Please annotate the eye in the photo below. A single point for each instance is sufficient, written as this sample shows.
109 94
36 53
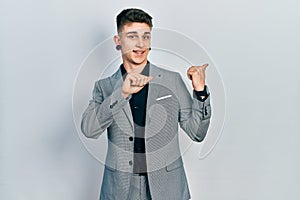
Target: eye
146 37
132 36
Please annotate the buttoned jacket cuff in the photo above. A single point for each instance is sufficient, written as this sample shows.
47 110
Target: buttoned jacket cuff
118 101
198 94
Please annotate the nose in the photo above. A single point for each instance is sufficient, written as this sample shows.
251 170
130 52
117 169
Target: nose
140 43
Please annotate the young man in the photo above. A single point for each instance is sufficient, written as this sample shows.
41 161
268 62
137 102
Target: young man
140 106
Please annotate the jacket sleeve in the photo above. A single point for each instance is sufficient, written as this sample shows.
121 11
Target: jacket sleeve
194 115
98 116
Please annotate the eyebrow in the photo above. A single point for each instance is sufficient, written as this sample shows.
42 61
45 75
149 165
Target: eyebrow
135 32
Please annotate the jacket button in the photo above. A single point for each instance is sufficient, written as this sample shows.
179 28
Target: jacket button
130 138
130 162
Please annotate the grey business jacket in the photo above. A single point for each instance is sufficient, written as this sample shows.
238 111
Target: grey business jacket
169 103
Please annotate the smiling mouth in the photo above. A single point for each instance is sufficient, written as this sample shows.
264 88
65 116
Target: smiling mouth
139 52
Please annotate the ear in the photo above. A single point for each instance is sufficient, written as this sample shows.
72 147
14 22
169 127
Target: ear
117 40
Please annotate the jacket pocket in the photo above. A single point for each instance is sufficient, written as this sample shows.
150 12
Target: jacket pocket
174 165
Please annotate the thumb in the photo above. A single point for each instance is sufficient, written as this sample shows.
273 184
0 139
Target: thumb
205 66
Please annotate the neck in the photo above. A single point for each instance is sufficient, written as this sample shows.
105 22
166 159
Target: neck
138 68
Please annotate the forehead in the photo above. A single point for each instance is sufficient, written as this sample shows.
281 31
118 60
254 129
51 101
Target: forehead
138 27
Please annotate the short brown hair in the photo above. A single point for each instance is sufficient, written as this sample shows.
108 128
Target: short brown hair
132 15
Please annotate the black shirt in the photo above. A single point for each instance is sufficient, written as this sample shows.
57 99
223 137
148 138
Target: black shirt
138 103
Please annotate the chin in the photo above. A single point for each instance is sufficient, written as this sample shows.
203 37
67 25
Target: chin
139 60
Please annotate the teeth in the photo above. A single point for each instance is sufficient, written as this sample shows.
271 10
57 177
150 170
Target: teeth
139 52
136 51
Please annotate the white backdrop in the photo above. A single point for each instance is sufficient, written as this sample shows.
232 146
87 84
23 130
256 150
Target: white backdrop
254 44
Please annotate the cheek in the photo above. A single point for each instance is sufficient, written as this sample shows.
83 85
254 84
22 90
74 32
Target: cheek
128 45
127 48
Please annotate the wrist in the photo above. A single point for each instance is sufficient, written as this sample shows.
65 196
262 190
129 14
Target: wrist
203 92
199 88
125 95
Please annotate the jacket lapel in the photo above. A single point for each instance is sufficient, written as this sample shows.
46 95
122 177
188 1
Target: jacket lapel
116 82
153 90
